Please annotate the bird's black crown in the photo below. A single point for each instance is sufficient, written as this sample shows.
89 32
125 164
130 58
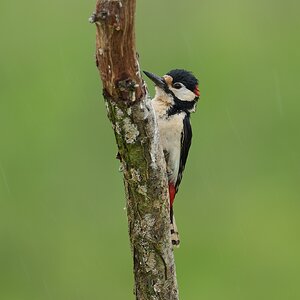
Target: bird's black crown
185 77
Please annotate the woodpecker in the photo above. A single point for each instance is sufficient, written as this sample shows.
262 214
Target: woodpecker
176 96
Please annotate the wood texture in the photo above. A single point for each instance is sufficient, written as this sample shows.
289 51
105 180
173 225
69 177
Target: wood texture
131 114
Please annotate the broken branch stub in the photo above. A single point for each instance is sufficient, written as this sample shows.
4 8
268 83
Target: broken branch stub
119 69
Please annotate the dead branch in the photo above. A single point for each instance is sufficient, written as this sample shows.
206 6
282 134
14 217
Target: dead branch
132 117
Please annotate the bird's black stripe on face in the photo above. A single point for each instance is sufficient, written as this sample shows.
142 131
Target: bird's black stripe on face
180 105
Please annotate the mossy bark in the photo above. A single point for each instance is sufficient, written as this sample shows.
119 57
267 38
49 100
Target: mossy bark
133 120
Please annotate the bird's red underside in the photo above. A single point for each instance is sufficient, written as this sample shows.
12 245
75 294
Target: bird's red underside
172 192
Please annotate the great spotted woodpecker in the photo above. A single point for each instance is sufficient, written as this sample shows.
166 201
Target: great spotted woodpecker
175 99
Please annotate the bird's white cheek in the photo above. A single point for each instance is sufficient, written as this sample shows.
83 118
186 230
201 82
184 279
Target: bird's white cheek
183 94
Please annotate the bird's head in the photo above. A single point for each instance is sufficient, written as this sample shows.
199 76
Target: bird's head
179 88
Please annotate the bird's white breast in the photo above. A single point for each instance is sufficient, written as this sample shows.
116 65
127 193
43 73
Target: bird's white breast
170 130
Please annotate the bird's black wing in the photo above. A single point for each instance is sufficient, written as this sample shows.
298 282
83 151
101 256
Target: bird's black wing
186 140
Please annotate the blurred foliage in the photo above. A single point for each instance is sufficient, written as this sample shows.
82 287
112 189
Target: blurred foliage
63 229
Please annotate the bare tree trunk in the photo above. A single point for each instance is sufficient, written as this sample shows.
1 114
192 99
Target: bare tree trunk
133 120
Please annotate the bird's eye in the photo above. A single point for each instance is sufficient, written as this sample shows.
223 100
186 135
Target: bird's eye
177 85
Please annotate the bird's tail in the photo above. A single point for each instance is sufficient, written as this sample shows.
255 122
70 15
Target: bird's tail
174 231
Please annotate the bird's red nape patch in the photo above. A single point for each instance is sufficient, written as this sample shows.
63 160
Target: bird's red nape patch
172 192
196 91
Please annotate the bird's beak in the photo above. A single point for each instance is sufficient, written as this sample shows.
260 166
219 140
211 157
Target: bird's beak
159 81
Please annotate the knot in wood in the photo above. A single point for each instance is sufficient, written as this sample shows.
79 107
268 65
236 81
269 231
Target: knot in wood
103 14
98 16
127 85
93 17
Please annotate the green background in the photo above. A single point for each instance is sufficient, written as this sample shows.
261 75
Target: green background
63 228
